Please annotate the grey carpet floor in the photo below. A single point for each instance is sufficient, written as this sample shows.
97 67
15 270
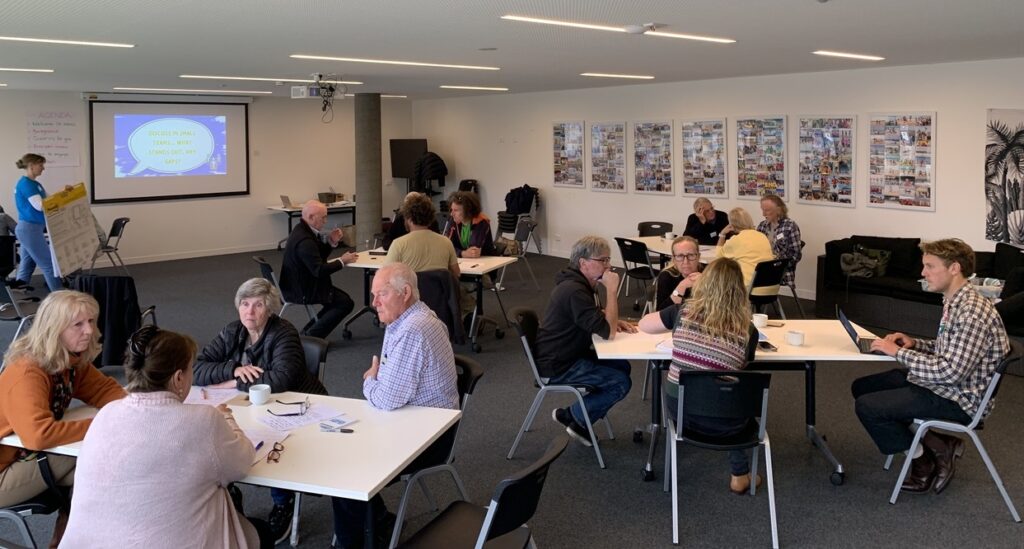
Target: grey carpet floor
585 506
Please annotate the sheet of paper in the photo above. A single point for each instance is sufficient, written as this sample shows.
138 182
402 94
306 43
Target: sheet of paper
664 345
210 397
316 413
265 439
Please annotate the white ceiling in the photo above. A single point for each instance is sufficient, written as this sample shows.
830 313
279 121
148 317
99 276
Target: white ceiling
256 37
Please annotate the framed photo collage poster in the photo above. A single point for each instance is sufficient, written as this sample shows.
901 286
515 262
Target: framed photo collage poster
901 158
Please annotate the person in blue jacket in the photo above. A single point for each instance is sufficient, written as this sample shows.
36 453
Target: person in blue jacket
31 228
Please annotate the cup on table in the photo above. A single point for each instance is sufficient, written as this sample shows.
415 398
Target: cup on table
259 394
795 338
760 320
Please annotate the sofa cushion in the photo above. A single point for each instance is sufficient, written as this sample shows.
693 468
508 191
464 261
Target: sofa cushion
1008 257
1012 312
906 256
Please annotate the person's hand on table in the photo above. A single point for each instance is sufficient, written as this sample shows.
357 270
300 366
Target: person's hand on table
248 373
886 346
626 327
901 339
471 252
349 257
374 368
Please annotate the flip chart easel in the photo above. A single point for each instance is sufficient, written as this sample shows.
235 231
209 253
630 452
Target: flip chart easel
69 222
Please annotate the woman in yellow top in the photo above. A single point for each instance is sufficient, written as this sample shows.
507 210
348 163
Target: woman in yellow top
746 245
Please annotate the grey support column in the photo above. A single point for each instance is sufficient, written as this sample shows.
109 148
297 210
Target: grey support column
368 166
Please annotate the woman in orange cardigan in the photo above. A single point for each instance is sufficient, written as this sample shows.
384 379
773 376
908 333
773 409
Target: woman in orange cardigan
42 372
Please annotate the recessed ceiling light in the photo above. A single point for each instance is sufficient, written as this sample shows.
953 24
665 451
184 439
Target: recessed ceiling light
690 37
182 90
559 23
862 57
261 79
391 62
487 49
2 85
24 70
609 75
66 42
482 88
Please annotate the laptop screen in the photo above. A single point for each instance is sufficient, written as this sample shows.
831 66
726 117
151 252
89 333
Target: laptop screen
846 324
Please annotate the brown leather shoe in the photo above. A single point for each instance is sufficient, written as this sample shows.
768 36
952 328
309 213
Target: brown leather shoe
740 485
947 449
922 474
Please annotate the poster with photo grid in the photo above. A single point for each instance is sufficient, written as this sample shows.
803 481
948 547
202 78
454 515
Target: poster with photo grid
901 161
567 151
761 156
608 157
652 157
825 160
704 157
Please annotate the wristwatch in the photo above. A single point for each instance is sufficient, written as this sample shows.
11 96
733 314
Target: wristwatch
675 293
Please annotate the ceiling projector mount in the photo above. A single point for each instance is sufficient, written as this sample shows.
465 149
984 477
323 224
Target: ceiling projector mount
641 29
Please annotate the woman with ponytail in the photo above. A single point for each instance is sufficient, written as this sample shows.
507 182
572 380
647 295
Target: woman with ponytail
28 198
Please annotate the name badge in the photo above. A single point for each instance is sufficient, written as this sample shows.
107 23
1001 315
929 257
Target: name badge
714 234
779 236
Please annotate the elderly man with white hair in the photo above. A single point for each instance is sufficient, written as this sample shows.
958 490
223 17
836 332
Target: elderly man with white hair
306 273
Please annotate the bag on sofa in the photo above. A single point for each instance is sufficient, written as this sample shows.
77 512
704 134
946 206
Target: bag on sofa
865 262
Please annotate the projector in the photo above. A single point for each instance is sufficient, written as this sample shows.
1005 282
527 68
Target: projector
304 92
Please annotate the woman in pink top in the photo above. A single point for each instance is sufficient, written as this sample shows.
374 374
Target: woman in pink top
153 471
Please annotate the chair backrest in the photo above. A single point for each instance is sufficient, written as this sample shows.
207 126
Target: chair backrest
507 222
116 231
315 349
148 314
469 373
8 255
524 228
439 290
515 499
634 251
527 324
768 276
653 228
1016 354
725 395
266 271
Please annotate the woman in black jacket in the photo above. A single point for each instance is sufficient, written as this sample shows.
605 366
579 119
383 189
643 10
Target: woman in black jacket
259 347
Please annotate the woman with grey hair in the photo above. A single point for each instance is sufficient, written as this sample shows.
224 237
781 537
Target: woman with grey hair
745 244
259 347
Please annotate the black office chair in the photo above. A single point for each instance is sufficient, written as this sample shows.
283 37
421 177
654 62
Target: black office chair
22 304
923 425
738 395
267 272
764 288
109 246
527 324
635 253
50 501
653 228
469 373
792 288
502 523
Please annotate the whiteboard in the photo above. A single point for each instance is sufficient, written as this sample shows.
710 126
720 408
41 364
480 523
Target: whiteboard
69 222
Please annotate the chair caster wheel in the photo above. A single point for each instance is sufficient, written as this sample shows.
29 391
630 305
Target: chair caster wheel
647 476
499 333
638 436
346 334
476 348
837 478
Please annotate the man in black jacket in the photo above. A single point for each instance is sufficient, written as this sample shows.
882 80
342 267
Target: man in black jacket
705 223
565 353
306 273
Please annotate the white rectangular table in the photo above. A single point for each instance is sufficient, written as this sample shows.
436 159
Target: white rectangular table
294 212
825 340
472 269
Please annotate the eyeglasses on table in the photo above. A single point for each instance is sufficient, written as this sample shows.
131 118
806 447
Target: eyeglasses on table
303 408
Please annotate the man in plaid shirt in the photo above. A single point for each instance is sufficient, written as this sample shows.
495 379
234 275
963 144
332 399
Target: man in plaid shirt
945 378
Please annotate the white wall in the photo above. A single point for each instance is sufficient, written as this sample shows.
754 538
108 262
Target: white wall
291 152
505 141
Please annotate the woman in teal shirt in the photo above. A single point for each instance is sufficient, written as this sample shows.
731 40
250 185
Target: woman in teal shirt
31 228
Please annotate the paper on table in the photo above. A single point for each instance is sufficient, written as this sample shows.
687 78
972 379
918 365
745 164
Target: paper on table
316 412
268 437
214 397
664 345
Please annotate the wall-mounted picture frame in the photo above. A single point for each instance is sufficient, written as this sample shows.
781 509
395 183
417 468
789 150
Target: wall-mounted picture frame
703 159
652 157
1004 181
760 156
826 153
901 160
567 153
608 157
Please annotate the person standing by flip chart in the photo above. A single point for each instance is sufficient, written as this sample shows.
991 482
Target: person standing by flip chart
31 228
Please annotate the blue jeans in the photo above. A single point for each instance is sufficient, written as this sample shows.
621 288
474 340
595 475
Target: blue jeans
610 378
282 497
35 251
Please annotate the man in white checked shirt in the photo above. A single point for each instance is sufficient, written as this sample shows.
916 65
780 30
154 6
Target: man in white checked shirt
417 367
945 378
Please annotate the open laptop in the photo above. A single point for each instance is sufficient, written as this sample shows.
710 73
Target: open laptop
286 202
863 343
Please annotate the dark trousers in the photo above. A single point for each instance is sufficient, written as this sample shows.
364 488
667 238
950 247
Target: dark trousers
887 405
264 532
330 315
713 426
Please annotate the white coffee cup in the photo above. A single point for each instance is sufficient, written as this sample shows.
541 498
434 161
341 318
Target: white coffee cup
760 320
259 394
669 236
795 337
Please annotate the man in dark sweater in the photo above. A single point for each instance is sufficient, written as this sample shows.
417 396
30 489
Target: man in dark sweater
565 354
705 223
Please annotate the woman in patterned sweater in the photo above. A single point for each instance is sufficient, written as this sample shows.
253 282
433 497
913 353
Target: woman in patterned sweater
711 331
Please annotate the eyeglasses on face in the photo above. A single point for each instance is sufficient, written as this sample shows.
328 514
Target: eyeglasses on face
604 260
303 408
275 454
686 257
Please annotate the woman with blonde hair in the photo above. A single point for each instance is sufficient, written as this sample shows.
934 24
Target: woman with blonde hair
711 331
740 241
675 282
43 371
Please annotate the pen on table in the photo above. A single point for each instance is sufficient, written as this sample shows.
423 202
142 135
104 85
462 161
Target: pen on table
202 393
474 265
259 445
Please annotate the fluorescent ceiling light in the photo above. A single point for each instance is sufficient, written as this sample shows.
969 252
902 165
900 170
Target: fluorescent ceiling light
848 55
2 85
562 23
608 75
390 62
66 42
690 37
182 90
261 79
483 88
24 70
383 95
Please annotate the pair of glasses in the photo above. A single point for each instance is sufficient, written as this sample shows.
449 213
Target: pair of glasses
686 257
275 454
303 408
605 260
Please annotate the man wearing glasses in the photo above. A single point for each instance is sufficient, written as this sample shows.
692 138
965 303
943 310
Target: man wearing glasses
564 351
